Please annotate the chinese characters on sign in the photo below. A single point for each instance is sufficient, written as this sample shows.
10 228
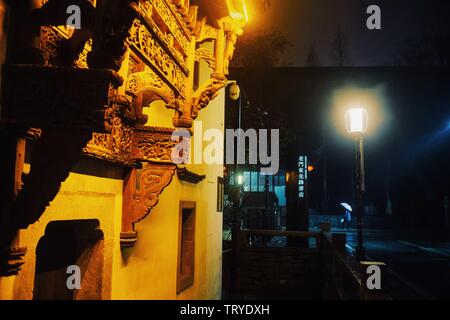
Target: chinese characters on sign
302 175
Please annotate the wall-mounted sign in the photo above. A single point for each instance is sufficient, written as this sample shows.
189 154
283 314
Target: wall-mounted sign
302 175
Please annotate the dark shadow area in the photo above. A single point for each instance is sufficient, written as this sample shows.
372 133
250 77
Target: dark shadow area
68 243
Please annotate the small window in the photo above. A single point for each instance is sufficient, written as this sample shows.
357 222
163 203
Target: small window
262 183
254 182
186 247
247 179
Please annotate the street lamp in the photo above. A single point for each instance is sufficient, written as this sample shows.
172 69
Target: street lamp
356 123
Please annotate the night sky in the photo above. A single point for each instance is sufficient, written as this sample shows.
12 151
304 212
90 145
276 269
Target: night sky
308 22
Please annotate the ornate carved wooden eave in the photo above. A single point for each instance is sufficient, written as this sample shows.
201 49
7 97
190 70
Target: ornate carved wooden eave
185 175
80 106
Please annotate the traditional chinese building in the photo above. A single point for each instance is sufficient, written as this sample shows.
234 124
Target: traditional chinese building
87 177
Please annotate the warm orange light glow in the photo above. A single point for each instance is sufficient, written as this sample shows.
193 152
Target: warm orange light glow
310 168
245 11
240 14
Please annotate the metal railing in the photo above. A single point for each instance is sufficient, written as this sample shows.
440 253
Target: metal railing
343 277
246 237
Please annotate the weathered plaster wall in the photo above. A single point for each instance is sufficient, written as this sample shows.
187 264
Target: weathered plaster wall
82 196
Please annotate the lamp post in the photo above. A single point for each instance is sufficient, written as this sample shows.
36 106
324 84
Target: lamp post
356 122
235 95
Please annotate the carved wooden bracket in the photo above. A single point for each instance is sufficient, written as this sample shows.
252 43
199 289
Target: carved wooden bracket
153 178
142 188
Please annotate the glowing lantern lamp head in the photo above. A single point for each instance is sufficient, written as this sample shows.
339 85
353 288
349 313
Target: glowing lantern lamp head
356 121
235 92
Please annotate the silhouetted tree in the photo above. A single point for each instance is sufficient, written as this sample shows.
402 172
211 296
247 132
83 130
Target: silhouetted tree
427 49
312 59
340 48
262 50
256 57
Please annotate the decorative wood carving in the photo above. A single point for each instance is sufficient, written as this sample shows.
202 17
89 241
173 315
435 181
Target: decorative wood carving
153 179
141 194
115 146
207 92
207 56
157 55
153 144
107 24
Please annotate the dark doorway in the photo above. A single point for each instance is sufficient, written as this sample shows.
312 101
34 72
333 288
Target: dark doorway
67 243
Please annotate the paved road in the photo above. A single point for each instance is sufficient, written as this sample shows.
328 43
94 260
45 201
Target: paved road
420 268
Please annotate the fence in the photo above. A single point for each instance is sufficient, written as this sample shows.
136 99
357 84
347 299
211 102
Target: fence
297 265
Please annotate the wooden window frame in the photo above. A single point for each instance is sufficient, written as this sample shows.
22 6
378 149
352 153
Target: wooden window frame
183 281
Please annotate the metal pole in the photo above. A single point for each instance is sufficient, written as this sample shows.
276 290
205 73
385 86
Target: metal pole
359 194
325 172
266 200
237 218
237 206
239 128
239 146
